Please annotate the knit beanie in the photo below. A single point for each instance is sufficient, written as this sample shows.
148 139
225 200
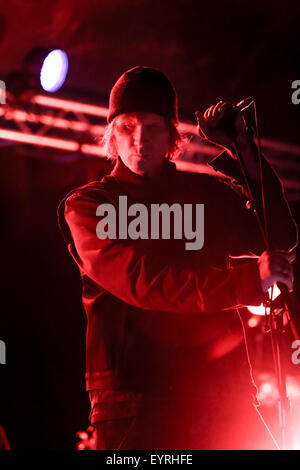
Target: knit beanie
143 89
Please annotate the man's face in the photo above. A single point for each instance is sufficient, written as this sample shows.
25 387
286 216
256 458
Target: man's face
142 142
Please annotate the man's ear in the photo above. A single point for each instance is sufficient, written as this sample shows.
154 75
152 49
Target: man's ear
170 131
113 145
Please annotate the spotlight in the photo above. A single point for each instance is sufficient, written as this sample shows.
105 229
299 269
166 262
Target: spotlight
46 68
54 70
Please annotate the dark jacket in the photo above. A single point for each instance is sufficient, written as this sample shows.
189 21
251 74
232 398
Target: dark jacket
155 310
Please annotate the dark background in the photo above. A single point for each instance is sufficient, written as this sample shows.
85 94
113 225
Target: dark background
210 51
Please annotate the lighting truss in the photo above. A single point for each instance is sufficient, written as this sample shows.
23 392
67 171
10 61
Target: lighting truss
42 115
46 121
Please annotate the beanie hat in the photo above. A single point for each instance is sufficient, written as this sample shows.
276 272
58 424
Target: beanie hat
143 89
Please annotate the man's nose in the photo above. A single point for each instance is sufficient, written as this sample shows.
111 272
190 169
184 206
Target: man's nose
140 135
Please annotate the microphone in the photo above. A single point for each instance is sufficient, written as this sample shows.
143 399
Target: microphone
227 121
244 104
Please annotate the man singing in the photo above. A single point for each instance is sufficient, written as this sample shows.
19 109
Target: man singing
165 364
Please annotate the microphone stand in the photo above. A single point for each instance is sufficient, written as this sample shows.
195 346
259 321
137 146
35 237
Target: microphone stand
280 306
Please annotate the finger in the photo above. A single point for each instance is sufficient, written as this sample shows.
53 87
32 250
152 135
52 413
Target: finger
286 271
283 269
282 274
281 266
210 112
212 119
200 118
287 281
282 257
219 104
289 271
226 105
215 116
206 113
223 108
202 124
290 256
217 108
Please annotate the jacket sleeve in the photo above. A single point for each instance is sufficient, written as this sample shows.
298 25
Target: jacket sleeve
282 229
141 276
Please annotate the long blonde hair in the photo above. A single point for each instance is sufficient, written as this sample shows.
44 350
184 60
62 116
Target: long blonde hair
174 143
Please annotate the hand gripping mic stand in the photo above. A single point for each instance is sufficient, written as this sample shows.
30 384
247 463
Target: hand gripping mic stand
281 305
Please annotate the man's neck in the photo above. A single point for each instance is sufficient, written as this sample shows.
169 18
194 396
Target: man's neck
123 173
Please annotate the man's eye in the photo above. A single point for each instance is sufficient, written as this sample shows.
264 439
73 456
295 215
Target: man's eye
125 128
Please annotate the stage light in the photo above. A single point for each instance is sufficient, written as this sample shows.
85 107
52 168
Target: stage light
46 68
268 390
253 322
67 105
54 70
40 140
268 393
